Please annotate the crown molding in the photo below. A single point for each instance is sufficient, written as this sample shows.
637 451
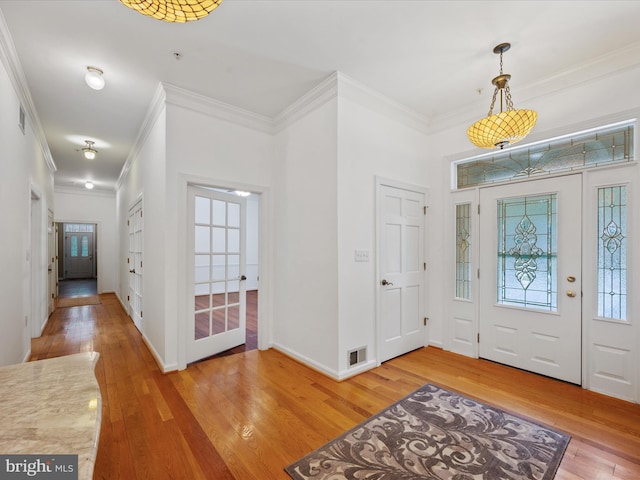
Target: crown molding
156 107
217 109
10 60
325 91
339 85
374 100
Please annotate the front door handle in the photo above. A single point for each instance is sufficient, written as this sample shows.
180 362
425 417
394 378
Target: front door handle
571 293
385 283
132 271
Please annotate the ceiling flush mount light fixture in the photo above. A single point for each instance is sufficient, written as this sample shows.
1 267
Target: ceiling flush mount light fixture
179 11
88 185
94 78
88 151
508 126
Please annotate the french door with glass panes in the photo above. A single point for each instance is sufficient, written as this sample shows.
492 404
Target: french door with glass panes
217 245
530 276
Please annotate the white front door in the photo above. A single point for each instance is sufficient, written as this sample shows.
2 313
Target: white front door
401 266
530 276
217 244
134 261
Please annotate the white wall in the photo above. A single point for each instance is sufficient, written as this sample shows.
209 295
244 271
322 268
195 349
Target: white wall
78 206
375 138
253 241
145 178
306 239
24 169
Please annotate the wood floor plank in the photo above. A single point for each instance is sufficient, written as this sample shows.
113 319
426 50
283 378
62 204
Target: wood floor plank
247 415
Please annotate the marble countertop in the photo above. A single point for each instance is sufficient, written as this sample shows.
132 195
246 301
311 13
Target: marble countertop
52 406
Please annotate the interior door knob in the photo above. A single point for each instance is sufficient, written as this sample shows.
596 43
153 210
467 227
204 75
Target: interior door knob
384 282
571 293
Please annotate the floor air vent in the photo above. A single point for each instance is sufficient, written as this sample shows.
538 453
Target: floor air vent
357 356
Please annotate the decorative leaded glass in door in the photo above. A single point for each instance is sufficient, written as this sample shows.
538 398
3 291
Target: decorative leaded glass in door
527 252
612 252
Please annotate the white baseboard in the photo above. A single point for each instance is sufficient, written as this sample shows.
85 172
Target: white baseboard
124 306
165 368
329 372
353 371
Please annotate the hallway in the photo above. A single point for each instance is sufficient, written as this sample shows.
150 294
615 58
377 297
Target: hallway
248 415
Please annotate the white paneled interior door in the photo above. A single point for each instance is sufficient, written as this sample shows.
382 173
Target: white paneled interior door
217 256
135 264
401 268
531 276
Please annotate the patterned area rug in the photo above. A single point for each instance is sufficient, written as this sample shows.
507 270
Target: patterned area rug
436 434
77 301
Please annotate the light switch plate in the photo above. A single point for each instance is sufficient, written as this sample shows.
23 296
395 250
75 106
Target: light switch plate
362 255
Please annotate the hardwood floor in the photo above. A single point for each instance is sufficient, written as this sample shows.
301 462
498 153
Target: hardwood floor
217 325
246 416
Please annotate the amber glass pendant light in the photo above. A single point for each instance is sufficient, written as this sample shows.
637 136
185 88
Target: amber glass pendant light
180 11
508 126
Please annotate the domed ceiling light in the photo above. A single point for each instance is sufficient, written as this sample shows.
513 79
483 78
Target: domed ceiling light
89 185
507 127
173 10
88 151
94 78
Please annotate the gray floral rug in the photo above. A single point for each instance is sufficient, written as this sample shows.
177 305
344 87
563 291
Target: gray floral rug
437 434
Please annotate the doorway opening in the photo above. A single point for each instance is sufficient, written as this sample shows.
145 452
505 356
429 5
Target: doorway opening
77 259
224 291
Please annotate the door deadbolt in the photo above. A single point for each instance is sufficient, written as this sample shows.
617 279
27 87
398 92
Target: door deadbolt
571 279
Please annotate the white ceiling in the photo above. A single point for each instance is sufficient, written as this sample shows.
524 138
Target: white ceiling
261 55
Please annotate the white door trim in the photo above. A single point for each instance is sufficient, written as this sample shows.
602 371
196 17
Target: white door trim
387 182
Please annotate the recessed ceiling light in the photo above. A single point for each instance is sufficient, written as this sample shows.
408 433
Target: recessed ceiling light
88 185
94 78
